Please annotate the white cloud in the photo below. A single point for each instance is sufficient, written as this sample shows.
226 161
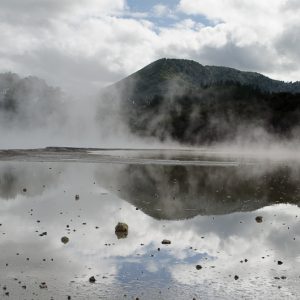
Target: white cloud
161 10
83 46
252 32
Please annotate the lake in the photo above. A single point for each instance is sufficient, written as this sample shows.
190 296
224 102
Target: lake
233 226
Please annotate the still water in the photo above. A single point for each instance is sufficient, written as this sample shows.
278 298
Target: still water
219 248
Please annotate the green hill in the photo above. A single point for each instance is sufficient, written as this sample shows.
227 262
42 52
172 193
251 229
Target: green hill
187 102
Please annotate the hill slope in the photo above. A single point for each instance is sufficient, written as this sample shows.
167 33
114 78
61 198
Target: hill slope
187 102
155 77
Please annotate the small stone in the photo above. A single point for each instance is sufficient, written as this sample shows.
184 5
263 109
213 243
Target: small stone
279 262
43 285
77 197
64 239
92 279
236 277
198 267
121 230
24 190
166 242
259 219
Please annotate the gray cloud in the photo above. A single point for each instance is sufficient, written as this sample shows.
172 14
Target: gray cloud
288 43
245 58
78 75
291 5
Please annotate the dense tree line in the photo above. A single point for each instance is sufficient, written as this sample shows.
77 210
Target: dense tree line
214 113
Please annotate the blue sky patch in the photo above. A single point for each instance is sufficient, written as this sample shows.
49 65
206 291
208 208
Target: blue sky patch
133 267
166 20
138 5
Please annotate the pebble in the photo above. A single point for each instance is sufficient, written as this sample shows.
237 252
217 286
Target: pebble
166 242
64 239
259 219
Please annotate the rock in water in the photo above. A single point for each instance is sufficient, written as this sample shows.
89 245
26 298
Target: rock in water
166 242
43 285
92 279
121 230
64 239
259 219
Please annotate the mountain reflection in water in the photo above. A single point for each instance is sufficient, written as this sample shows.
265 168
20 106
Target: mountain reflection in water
179 192
207 212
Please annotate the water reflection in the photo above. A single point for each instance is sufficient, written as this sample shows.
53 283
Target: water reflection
224 243
25 179
179 192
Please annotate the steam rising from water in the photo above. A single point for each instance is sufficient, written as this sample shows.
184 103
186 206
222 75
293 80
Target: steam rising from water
32 115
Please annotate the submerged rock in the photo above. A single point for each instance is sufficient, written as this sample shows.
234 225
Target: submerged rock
121 230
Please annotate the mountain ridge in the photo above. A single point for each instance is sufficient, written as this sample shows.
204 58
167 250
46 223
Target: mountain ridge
181 100
205 75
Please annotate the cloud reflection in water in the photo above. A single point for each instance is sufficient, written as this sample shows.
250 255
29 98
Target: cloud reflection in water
211 222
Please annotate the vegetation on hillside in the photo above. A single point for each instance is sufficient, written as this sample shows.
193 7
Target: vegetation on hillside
187 102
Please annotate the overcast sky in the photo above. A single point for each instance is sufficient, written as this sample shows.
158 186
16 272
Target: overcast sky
83 45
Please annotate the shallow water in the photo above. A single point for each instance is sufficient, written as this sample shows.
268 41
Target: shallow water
207 211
